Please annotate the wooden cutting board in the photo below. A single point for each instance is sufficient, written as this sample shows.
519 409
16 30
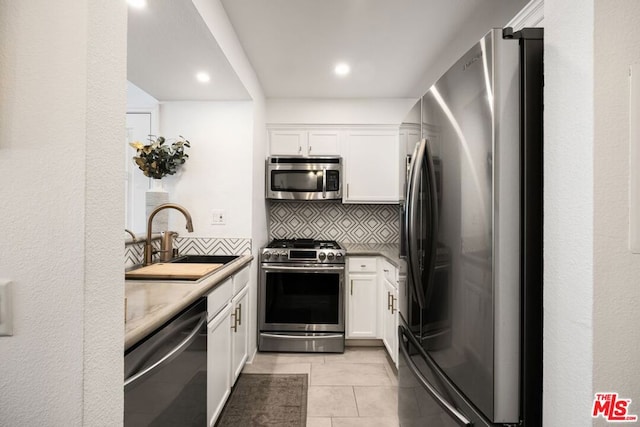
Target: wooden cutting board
172 271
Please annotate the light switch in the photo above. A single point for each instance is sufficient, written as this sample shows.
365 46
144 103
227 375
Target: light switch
6 315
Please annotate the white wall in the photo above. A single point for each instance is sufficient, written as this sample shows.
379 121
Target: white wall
338 111
218 172
617 271
568 217
62 104
218 22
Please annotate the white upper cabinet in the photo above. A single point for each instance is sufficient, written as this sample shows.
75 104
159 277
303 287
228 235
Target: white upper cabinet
304 142
409 137
371 166
323 142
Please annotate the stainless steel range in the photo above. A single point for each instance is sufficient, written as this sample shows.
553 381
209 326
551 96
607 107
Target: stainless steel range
301 296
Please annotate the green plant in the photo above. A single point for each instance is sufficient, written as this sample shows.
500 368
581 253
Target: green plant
159 158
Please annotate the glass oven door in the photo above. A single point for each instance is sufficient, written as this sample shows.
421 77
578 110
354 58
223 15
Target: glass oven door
302 298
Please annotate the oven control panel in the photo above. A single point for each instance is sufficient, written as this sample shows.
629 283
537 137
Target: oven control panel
303 256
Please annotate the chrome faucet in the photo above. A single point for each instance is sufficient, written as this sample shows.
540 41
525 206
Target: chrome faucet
148 249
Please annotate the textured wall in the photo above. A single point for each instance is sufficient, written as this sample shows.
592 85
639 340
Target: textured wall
62 103
335 221
568 217
617 271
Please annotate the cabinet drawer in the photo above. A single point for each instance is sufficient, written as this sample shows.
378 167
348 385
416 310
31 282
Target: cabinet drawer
390 272
219 297
362 264
240 280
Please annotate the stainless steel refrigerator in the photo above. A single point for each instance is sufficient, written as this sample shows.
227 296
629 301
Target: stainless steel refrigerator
470 331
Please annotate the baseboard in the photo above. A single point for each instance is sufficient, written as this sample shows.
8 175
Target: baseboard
363 343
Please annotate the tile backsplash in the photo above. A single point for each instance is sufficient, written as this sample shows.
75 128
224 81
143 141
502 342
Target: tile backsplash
334 221
134 252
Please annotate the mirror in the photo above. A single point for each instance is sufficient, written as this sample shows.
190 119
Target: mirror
168 45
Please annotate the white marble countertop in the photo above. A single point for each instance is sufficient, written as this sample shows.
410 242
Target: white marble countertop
150 303
391 251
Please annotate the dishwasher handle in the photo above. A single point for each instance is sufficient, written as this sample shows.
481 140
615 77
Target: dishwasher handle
175 352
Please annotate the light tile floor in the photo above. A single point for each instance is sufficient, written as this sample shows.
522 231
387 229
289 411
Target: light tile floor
353 389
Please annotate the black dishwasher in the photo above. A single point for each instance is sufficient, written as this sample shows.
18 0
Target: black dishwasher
166 374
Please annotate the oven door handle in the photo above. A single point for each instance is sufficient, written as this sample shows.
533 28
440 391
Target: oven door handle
134 379
305 267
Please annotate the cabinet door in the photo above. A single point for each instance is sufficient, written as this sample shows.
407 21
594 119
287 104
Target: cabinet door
409 137
218 363
288 142
372 167
390 319
239 336
324 143
362 296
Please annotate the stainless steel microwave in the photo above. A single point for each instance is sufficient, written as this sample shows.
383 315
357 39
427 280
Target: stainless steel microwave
304 178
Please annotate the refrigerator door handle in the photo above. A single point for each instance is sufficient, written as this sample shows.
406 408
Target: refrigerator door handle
433 204
411 223
453 412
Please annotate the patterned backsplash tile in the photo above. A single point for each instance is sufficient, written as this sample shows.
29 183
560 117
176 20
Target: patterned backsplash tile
334 221
134 252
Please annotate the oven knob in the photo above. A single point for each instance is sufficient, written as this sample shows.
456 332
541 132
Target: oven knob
275 255
339 256
322 256
330 256
267 255
283 255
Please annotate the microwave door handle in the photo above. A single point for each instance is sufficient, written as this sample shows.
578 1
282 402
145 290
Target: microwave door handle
446 406
324 182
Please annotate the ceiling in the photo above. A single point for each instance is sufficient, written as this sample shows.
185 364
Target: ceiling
396 49
168 43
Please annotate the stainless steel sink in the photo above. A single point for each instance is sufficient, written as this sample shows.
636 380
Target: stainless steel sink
205 259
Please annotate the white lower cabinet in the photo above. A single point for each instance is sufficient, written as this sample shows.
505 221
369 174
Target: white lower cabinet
362 298
239 335
372 301
218 363
227 339
390 319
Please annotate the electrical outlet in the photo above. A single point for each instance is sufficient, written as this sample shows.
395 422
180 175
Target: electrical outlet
218 217
6 316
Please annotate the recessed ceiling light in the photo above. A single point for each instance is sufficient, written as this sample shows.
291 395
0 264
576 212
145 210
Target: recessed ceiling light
203 77
342 69
138 4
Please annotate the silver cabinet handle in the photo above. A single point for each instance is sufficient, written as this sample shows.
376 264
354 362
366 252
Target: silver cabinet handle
389 301
310 149
299 149
351 292
393 304
234 315
239 315
347 190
